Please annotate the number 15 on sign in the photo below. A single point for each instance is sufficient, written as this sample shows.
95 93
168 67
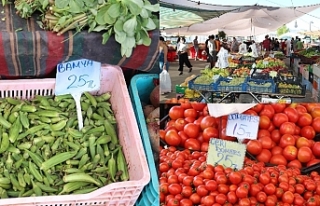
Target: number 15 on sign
242 126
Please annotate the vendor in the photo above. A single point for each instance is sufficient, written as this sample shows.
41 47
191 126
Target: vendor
243 48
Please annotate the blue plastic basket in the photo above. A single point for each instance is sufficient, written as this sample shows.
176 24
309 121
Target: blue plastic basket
141 85
241 87
262 89
201 87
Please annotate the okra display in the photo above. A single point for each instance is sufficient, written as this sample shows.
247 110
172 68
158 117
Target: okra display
43 153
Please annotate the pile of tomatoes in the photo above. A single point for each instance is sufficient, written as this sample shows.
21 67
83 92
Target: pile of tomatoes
286 134
186 180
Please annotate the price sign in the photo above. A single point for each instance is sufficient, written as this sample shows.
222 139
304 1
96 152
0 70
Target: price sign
76 77
226 153
242 126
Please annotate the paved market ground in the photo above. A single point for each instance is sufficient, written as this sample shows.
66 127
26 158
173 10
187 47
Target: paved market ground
177 79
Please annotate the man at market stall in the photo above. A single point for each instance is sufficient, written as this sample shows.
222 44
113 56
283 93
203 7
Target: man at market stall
266 43
183 56
299 44
234 45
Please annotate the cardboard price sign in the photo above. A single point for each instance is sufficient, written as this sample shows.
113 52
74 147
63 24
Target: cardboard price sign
242 126
76 77
226 153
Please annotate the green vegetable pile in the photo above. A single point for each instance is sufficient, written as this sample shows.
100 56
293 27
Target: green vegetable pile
43 153
128 20
310 52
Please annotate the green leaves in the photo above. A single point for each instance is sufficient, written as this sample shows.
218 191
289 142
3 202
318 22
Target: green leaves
130 25
61 3
114 10
103 16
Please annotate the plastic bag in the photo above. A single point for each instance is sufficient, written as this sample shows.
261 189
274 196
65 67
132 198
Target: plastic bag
165 82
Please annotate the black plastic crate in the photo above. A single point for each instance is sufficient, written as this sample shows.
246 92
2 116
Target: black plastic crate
297 89
294 79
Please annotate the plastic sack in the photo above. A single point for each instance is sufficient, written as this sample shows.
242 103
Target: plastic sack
165 82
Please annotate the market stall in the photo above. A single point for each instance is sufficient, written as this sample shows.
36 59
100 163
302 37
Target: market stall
249 154
255 79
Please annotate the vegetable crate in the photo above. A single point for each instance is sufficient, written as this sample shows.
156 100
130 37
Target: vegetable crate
141 86
298 89
229 88
115 194
201 87
260 85
180 89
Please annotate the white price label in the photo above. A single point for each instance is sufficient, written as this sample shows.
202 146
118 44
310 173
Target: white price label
242 126
77 76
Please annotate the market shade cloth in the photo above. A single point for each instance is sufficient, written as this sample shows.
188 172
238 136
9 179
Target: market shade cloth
33 52
246 20
182 13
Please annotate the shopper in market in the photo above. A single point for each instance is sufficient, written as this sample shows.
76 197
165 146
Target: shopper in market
234 45
183 56
288 47
207 48
163 52
196 47
212 51
299 45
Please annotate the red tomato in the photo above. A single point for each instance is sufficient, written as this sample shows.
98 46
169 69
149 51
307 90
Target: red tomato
210 132
269 189
254 147
301 109
190 113
264 122
192 130
316 124
266 142
279 118
276 150
232 197
190 119
267 110
198 105
288 197
192 144
292 114
208 121
297 130
275 135
308 132
183 137
242 192
287 140
305 119
224 136
261 197
204 146
258 107
290 152
235 177
278 160
174 188
186 202
211 185
195 198
250 112
316 149
205 111
287 128
279 107
176 112
207 200
304 154
180 123
172 138
221 199
173 202
263 132
264 156
294 163
202 191
302 141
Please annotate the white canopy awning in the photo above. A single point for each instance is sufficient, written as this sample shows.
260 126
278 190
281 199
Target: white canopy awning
245 21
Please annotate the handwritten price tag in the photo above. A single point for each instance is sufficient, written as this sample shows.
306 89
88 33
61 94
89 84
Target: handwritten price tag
226 153
242 126
76 77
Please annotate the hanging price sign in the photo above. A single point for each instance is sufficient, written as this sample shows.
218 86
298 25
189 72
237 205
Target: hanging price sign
76 77
226 153
242 126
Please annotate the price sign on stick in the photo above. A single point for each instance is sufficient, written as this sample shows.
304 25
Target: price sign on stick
242 126
226 153
76 77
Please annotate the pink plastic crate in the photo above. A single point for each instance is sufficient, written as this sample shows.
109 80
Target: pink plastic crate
116 194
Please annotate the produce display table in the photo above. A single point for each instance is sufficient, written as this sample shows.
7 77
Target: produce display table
28 51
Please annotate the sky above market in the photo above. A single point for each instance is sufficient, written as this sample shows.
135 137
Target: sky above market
303 23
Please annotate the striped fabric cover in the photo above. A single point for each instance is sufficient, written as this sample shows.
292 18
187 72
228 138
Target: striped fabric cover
33 52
